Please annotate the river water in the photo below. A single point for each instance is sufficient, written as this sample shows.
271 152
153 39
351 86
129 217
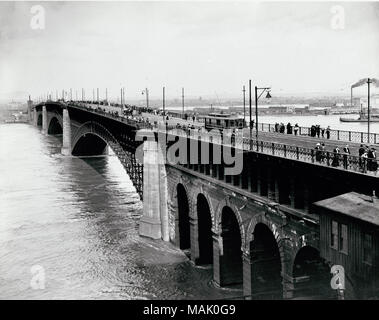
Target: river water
73 224
323 120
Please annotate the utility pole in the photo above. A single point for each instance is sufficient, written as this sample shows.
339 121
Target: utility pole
250 128
183 102
256 114
147 98
98 96
163 103
368 110
244 106
70 93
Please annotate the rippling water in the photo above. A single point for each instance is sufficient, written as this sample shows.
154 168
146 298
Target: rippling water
78 220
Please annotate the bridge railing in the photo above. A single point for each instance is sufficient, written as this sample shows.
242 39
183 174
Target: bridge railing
134 122
324 132
341 135
318 157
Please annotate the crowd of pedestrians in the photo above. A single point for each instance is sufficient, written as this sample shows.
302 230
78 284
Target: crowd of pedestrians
313 131
365 159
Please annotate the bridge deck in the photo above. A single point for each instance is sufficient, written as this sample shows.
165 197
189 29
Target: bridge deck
303 141
300 148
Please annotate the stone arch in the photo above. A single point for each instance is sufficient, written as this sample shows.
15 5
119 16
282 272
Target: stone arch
55 125
196 193
183 218
173 196
262 218
311 274
202 238
266 263
39 119
230 248
268 243
217 225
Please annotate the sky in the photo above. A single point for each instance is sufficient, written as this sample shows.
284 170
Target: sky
209 48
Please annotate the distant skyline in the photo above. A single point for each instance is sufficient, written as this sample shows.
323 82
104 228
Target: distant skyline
210 48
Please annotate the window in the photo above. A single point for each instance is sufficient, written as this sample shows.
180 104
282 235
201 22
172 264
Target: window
338 237
334 235
367 248
343 238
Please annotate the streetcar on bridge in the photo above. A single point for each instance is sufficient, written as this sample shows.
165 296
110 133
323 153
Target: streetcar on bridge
223 121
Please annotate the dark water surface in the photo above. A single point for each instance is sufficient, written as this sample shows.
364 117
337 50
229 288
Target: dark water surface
77 220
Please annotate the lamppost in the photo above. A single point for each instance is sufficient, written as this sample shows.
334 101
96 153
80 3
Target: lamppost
368 109
244 106
268 96
183 103
163 102
147 97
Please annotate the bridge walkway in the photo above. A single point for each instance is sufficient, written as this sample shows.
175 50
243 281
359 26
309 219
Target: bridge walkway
302 141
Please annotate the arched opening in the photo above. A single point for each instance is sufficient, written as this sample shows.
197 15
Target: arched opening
54 127
266 280
204 231
39 120
231 259
311 275
89 145
184 224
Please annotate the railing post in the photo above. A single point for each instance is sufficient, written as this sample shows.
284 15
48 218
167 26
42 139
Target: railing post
273 148
285 151
312 155
361 137
338 134
349 135
297 153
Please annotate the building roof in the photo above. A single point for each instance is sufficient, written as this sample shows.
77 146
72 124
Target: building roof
354 205
226 116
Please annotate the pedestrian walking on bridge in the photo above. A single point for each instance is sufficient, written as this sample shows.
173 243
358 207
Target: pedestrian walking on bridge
336 157
328 132
296 129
